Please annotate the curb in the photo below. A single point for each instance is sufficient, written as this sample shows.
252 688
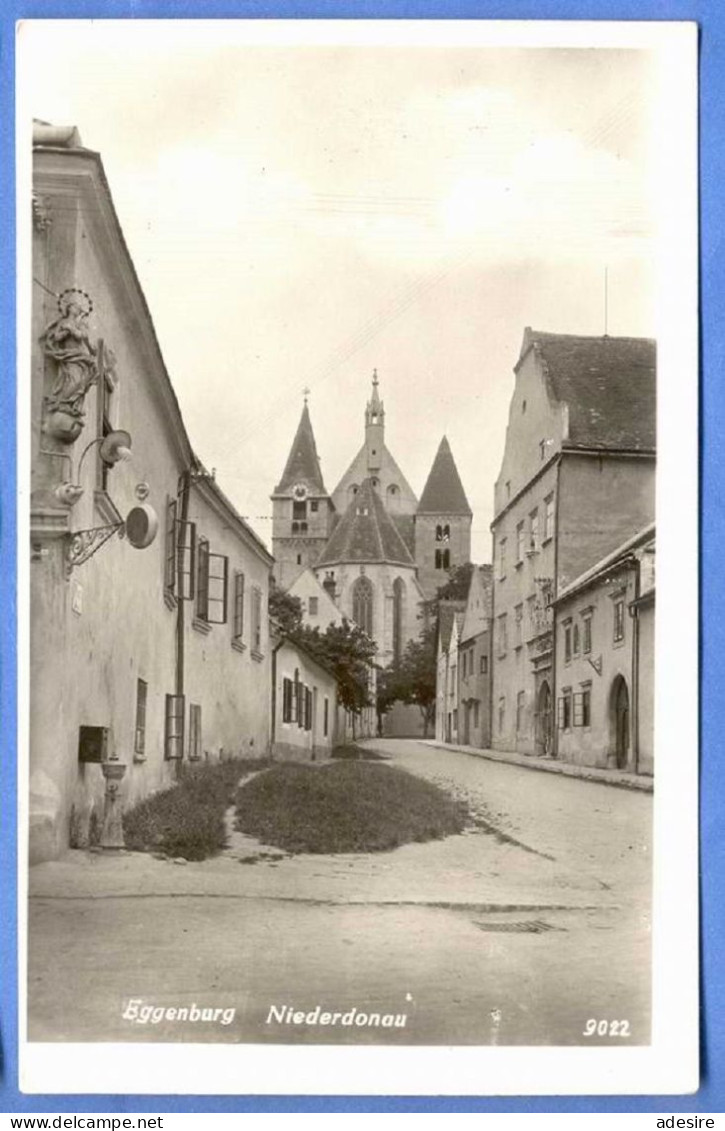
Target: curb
568 769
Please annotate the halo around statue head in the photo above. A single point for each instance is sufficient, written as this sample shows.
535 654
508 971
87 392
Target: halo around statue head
76 297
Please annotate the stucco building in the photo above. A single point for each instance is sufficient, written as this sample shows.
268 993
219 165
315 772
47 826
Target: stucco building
474 662
304 704
577 479
148 592
605 660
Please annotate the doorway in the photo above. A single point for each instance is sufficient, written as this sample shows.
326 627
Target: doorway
620 721
543 719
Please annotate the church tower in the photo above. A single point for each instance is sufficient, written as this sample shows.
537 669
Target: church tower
442 523
374 430
302 510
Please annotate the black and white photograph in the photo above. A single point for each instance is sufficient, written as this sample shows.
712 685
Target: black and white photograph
358 426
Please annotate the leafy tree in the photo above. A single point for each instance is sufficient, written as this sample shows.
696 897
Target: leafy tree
413 678
284 609
349 653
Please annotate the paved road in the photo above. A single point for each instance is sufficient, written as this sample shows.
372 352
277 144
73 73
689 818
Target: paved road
473 940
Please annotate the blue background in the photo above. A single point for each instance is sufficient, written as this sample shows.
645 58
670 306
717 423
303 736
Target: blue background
710 15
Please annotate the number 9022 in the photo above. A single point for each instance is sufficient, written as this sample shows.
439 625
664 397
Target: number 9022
594 1028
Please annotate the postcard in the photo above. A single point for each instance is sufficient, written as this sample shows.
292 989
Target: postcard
358 392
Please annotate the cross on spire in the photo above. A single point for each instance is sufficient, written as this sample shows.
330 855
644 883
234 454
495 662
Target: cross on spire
306 392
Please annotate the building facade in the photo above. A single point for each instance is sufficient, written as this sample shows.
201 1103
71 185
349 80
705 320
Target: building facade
304 705
148 592
577 479
474 662
605 661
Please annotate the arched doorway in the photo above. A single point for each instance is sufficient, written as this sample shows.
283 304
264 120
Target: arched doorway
543 719
619 714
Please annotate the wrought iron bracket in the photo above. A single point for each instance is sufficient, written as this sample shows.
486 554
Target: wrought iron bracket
85 543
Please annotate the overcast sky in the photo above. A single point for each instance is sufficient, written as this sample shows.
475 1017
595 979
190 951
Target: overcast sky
300 215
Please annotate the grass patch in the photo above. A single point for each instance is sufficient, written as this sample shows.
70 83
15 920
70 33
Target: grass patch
188 819
351 752
347 806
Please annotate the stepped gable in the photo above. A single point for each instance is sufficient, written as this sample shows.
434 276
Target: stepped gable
303 463
366 533
608 384
443 492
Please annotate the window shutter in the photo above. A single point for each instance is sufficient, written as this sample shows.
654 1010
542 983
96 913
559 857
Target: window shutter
202 585
174 727
578 709
308 709
217 587
185 548
170 559
560 713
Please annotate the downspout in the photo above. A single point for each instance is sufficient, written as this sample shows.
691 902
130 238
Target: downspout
554 633
634 613
183 493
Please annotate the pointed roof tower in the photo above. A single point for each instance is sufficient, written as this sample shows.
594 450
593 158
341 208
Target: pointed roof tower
303 463
365 533
443 492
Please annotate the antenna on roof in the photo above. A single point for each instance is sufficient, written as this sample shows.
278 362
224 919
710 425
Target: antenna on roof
606 301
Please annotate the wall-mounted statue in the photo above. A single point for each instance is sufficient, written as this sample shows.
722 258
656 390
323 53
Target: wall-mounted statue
67 342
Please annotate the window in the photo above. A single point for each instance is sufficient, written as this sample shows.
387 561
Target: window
502 559
501 713
618 620
139 741
194 732
508 489
542 450
531 615
484 665
520 705
308 709
534 530
587 634
575 640
443 559
567 643
564 719
502 640
312 606
174 727
519 543
299 510
287 700
257 619
212 584
518 625
398 608
299 559
362 604
443 533
326 718
314 505
582 706
475 712
238 623
548 517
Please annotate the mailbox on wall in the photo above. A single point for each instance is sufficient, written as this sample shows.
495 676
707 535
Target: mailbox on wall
92 744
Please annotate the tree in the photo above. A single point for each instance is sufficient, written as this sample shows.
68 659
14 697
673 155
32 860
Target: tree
348 652
413 678
284 610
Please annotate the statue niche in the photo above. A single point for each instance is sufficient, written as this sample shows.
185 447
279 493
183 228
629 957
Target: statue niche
74 357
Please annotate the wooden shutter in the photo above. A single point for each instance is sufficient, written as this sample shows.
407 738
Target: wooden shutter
202 580
185 545
217 588
170 559
174 727
560 713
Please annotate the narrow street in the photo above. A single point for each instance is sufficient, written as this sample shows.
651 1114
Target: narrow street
518 933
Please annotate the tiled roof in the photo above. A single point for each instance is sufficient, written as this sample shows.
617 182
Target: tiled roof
609 385
303 464
443 492
365 533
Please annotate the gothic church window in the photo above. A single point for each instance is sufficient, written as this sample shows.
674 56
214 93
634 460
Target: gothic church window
362 604
398 604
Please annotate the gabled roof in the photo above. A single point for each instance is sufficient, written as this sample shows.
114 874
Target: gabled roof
303 463
365 533
443 492
450 614
608 384
619 555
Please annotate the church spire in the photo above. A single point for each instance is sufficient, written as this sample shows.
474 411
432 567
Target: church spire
303 463
374 428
